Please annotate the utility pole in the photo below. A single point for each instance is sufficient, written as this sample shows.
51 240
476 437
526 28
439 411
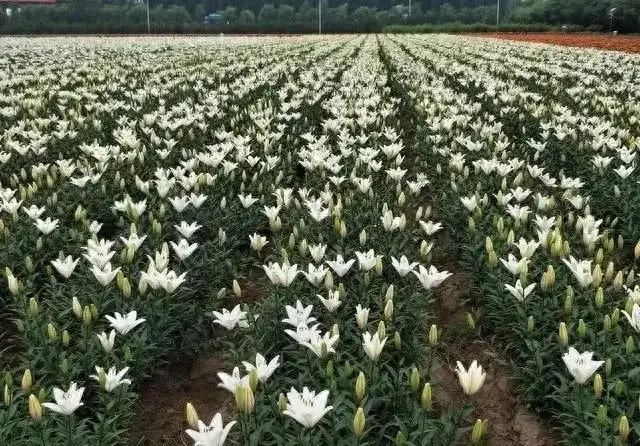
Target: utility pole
498 14
409 8
148 19
319 16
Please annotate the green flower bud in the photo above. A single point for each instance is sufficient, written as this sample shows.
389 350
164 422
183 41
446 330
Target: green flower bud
397 341
34 308
607 367
531 324
282 403
607 322
433 335
361 387
601 416
426 399
400 439
414 380
35 409
623 428
191 416
471 324
597 385
27 381
52 333
359 422
563 335
382 331
582 329
477 432
619 388
629 346
599 298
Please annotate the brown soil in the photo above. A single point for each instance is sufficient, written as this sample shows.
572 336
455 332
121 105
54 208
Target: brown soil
625 43
159 419
510 422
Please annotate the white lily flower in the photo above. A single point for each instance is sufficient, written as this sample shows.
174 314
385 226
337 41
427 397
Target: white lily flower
124 324
471 380
65 267
373 345
66 402
307 408
581 365
262 368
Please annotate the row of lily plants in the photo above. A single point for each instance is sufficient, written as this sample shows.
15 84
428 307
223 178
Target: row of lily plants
532 150
148 185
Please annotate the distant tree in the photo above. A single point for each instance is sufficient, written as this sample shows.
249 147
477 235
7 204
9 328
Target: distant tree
230 14
247 18
199 13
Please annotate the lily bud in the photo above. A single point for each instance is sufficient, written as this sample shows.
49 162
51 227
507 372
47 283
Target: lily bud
359 422
599 298
601 416
382 330
244 399
426 398
563 335
597 385
52 333
636 251
361 387
34 308
236 289
531 325
414 380
397 341
328 371
623 428
582 329
388 310
282 403
77 308
629 346
492 258
597 276
400 439
618 281
477 432
433 335
363 237
607 367
615 317
191 416
86 315
66 338
471 324
619 388
27 381
7 395
35 409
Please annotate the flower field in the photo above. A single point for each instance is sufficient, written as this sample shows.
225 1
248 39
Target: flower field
380 240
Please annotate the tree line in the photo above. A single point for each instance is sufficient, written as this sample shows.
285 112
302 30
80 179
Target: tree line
241 16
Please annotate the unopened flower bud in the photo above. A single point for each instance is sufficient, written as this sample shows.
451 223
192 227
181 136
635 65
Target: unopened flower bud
388 310
426 398
400 439
27 381
52 333
382 330
607 322
361 387
66 338
86 315
623 428
582 329
191 416
433 335
619 388
397 341
363 237
531 324
35 408
477 432
471 323
414 379
563 335
597 385
34 308
599 298
359 422
601 416
607 367
282 403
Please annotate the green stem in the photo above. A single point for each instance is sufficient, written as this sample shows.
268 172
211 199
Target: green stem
70 430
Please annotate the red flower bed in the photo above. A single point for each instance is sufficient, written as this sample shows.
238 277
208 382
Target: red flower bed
629 44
